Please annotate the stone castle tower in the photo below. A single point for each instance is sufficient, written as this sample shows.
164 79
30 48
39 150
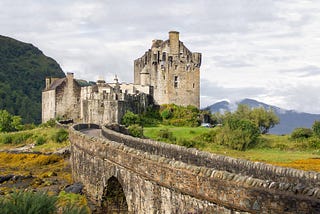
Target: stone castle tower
172 70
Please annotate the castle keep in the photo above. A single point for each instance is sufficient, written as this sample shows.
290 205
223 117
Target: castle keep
172 70
166 73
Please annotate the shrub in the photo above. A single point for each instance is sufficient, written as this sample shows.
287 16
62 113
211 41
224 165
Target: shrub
60 136
27 202
314 143
166 134
20 137
72 203
40 140
29 126
135 130
37 202
316 128
49 123
238 134
180 115
299 133
6 139
130 118
74 209
166 114
186 143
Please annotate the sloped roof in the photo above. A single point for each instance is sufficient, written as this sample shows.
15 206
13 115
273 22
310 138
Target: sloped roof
56 83
83 83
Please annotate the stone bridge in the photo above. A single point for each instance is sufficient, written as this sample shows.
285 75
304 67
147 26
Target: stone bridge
147 176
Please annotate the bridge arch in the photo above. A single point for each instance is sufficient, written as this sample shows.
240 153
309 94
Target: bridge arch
172 179
114 198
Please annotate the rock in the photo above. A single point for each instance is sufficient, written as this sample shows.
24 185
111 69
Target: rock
63 151
5 178
21 177
74 188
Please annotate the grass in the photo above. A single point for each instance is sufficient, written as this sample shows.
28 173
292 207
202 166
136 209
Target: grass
44 139
273 149
178 132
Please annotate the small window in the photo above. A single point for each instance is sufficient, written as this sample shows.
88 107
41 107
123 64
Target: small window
164 56
175 81
164 77
193 85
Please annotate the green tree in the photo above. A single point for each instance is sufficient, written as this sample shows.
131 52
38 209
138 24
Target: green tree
264 119
316 128
5 121
8 122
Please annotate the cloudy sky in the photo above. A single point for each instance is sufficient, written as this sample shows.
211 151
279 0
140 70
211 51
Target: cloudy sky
267 50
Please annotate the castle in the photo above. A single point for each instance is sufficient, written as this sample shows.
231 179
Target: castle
166 73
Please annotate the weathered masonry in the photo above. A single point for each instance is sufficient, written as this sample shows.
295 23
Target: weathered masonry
173 71
162 178
92 102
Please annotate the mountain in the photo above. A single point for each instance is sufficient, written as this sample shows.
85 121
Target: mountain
23 69
289 119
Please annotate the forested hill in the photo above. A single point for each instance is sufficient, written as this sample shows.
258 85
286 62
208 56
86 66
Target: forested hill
23 69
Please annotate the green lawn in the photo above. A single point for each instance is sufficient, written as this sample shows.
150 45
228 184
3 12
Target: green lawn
178 132
274 149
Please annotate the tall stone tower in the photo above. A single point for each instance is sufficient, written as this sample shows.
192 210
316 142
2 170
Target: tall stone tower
173 71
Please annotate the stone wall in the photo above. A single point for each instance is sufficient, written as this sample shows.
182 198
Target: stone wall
48 105
166 184
68 99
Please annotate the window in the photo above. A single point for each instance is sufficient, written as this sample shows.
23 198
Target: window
164 56
175 82
193 85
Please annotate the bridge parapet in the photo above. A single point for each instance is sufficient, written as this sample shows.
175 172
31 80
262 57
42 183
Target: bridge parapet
219 162
185 179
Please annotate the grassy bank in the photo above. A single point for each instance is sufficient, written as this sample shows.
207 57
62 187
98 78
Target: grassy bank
273 149
40 139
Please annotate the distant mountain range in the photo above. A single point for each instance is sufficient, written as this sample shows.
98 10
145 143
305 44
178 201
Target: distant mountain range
289 119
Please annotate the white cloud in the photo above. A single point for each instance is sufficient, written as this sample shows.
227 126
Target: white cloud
266 50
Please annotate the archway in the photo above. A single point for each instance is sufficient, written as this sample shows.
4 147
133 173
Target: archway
114 199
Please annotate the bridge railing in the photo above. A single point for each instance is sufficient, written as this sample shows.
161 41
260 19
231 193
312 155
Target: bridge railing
219 162
82 126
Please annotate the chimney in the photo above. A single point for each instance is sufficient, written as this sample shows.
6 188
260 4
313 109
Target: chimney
174 42
70 75
48 82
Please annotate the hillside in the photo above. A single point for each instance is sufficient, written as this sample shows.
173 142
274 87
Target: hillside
289 119
23 69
